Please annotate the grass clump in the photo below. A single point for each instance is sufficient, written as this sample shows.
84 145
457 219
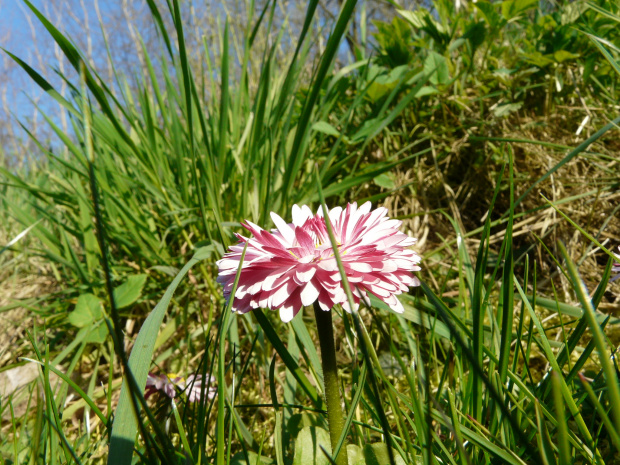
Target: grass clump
456 121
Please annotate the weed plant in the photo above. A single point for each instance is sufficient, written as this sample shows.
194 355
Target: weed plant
506 354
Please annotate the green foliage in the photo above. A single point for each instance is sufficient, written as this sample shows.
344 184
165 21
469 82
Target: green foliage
87 311
130 291
126 421
310 446
507 54
372 454
157 173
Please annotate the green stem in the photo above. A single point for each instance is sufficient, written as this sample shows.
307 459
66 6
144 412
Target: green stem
335 414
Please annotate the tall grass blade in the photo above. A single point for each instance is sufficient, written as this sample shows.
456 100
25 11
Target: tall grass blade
125 426
304 123
507 297
221 366
611 375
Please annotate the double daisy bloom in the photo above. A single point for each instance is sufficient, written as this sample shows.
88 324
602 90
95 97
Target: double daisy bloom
294 265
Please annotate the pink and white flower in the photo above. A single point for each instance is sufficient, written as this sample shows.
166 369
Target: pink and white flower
294 265
193 387
163 383
168 384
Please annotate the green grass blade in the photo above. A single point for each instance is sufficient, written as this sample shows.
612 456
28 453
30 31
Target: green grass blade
288 360
125 426
562 430
304 123
73 386
611 375
181 428
507 297
566 392
602 412
221 366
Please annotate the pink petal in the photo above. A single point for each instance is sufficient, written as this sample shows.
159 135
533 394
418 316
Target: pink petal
290 308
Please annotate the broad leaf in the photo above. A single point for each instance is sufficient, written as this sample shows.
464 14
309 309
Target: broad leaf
385 180
254 459
87 311
507 108
309 445
98 334
490 15
436 66
130 291
374 454
512 8
326 128
377 454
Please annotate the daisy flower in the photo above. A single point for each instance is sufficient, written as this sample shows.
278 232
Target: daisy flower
294 265
193 387
168 384
162 383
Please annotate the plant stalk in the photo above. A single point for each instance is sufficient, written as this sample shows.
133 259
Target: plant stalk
335 414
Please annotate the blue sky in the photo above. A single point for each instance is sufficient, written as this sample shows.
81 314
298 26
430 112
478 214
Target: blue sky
16 37
22 34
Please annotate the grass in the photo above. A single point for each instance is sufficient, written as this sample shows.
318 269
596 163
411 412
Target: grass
457 122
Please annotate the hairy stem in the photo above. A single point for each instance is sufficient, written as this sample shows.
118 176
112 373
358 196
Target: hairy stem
335 414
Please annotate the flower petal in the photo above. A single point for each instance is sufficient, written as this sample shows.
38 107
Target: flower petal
287 232
309 294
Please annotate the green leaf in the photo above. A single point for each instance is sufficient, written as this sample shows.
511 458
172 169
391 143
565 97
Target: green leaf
203 253
87 311
475 33
377 454
130 291
436 66
426 90
356 455
385 180
383 84
309 445
168 270
490 15
97 334
507 108
563 55
571 12
299 421
416 18
512 8
325 128
537 58
253 457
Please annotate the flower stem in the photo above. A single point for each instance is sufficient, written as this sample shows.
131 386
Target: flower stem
335 414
